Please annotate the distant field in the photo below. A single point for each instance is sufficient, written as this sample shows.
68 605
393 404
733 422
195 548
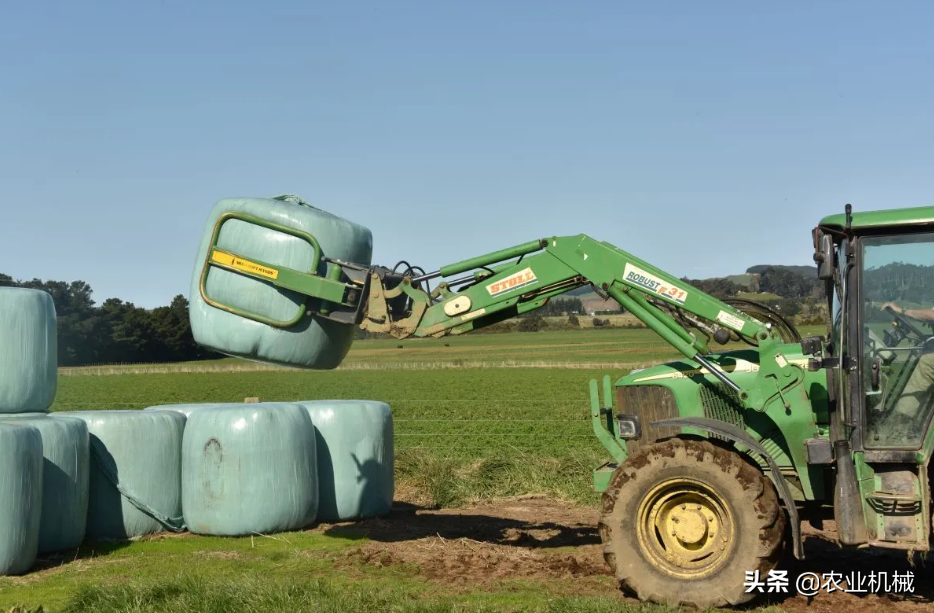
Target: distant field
765 297
744 280
615 348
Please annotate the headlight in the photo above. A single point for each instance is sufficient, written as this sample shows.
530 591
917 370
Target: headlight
628 427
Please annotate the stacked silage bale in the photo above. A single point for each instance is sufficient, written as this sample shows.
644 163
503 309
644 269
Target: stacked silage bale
249 469
20 497
65 471
28 351
355 457
135 477
44 459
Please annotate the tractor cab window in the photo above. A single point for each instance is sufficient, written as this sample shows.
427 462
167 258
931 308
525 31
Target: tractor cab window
837 313
897 320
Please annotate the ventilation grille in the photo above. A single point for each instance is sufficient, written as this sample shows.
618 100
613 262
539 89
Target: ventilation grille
718 404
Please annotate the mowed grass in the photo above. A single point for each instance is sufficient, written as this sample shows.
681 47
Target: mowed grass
462 433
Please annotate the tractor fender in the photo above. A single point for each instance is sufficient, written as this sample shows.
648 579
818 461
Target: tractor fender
739 436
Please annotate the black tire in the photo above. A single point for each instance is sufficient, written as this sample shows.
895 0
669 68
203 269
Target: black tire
745 531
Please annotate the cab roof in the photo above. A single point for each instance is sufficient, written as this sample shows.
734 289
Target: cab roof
891 217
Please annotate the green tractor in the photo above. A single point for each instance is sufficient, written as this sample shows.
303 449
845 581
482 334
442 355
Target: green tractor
716 459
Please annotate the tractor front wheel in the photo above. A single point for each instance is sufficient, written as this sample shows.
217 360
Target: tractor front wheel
684 520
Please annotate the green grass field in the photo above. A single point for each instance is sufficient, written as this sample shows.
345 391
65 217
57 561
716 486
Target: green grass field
477 417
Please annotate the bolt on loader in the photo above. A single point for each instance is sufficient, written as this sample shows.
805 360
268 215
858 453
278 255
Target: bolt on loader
714 460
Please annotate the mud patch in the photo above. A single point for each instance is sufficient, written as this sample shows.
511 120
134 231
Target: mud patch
529 538
465 562
542 540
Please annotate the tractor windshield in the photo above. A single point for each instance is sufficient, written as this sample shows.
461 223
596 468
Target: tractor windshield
897 315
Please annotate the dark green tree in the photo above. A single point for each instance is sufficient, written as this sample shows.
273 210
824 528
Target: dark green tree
116 331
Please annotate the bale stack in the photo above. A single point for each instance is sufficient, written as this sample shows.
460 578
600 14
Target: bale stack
65 473
45 460
104 474
212 468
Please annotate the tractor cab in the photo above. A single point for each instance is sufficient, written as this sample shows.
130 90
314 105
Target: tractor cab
879 270
879 267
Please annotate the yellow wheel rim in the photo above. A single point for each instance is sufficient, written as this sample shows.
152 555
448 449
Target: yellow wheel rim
685 528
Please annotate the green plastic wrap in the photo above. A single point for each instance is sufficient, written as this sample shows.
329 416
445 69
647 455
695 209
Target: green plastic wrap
186 409
28 350
249 469
64 478
313 342
135 479
20 497
355 458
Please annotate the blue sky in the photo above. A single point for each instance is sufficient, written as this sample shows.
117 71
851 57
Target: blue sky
704 137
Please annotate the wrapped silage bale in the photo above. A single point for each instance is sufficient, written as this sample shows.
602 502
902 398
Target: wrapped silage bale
135 478
28 350
312 342
249 468
186 409
20 497
65 471
355 450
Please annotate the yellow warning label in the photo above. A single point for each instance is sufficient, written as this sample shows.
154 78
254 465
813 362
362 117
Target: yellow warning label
245 265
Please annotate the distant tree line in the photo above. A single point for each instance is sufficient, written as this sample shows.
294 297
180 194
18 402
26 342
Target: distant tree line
782 281
900 282
718 288
797 292
115 331
787 283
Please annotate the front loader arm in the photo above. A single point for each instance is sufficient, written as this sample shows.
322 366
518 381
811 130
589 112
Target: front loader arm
499 289
506 283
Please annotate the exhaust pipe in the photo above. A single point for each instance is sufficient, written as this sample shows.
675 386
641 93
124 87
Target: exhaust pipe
847 502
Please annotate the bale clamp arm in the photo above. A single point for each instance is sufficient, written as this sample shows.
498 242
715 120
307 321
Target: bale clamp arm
330 293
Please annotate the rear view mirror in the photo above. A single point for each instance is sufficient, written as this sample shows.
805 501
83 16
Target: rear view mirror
824 257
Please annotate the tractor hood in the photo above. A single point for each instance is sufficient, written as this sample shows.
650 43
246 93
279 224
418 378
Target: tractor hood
740 362
687 380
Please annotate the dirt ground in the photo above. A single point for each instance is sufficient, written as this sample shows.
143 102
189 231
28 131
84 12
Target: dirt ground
539 539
